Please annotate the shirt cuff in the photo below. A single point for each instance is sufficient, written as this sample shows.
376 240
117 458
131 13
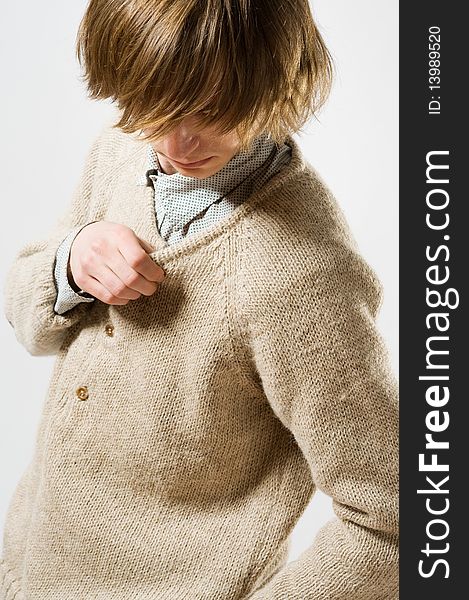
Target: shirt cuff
67 298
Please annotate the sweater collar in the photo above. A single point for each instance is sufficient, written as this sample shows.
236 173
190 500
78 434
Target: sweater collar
137 206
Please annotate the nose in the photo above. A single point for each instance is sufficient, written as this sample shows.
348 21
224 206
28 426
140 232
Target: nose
182 141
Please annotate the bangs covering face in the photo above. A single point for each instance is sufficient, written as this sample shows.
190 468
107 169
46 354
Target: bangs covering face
248 66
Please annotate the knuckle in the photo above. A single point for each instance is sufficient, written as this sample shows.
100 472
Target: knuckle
136 259
121 230
96 246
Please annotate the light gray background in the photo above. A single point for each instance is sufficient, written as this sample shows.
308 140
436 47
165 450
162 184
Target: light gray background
48 125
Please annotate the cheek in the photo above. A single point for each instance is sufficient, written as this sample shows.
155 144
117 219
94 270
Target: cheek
230 146
222 143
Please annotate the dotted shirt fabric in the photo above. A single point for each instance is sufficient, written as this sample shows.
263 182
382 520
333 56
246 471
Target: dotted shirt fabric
186 205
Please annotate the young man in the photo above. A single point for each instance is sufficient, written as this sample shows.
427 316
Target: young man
215 330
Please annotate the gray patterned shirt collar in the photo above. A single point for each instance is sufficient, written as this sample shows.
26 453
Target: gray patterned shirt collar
199 193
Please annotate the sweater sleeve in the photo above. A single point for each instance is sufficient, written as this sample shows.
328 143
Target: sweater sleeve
30 289
67 297
326 372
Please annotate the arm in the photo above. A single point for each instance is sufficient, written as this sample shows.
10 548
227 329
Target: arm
30 290
68 293
326 373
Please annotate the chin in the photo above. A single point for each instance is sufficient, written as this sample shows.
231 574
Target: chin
199 173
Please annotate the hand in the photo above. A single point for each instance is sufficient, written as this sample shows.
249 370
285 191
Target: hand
110 261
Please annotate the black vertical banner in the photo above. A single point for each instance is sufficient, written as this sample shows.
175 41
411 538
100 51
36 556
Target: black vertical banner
434 320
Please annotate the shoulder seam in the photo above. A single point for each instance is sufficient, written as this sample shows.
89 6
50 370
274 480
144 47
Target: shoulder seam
110 166
237 328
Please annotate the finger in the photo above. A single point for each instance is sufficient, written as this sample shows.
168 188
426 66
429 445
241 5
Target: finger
145 245
100 292
142 263
114 284
123 281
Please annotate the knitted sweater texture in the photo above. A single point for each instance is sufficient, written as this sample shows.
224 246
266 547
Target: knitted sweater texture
185 205
183 434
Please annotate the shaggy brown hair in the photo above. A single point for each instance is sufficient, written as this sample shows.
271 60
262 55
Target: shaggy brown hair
249 65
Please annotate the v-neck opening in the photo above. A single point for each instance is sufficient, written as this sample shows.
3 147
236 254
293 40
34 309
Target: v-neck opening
165 252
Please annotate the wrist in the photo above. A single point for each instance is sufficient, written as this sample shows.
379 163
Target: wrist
71 281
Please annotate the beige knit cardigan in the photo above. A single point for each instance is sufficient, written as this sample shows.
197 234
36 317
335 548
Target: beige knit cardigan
183 434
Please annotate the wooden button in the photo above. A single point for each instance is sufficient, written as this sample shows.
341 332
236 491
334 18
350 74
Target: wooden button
109 329
82 392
